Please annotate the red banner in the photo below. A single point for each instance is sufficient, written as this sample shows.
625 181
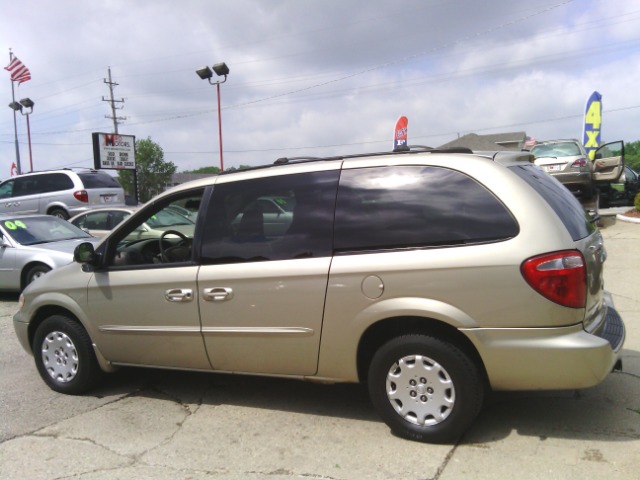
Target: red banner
400 135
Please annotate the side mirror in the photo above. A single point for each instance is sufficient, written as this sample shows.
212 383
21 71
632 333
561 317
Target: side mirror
3 244
84 253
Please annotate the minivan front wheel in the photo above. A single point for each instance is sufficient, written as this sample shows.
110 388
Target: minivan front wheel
425 389
64 355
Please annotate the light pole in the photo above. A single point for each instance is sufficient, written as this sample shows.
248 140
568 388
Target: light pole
28 104
15 106
205 73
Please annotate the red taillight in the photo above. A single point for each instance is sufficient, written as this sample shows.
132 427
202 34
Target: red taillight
581 162
561 277
81 195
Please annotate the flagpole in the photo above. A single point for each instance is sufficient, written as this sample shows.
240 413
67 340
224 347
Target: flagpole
15 122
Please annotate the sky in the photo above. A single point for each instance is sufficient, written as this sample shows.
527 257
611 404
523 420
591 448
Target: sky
312 78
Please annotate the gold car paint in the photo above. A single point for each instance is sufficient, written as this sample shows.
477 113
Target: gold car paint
543 358
257 331
137 325
272 323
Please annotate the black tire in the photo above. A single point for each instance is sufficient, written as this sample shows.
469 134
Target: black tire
425 389
35 272
588 193
60 213
64 356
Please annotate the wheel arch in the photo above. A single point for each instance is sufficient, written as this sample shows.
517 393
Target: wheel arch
384 330
47 311
25 270
56 206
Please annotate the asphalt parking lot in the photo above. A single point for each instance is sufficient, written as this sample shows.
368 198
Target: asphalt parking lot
152 424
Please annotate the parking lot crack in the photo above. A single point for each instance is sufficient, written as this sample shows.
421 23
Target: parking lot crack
444 464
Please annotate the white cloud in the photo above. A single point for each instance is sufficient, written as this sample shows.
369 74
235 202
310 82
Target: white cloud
315 73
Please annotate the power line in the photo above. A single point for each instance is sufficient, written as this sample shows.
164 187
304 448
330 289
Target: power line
434 135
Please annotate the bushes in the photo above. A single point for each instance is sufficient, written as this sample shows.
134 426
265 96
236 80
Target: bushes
636 202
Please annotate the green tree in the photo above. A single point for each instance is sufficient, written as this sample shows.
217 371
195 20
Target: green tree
632 155
215 170
153 172
204 171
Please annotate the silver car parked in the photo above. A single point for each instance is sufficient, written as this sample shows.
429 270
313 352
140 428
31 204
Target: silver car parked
32 245
62 193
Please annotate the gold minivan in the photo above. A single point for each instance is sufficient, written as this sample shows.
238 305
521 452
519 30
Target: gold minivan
431 275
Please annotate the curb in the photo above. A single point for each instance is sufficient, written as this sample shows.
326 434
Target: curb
624 218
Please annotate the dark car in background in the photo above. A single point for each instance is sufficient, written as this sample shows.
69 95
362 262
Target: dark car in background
621 194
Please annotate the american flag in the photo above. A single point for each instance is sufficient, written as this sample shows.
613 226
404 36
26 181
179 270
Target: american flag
529 141
19 73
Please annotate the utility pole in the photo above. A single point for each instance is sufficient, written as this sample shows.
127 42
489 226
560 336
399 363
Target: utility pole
116 121
113 103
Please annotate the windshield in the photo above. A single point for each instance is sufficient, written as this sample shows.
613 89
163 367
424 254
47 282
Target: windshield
167 218
565 149
37 230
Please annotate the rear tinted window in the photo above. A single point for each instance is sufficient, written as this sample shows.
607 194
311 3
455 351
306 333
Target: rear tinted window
411 206
559 198
54 182
98 180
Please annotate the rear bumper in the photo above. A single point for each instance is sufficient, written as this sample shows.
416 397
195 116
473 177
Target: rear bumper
575 179
550 358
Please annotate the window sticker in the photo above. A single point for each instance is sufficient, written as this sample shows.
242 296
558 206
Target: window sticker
14 225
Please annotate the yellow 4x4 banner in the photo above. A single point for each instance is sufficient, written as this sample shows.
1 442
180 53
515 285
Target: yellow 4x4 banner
592 124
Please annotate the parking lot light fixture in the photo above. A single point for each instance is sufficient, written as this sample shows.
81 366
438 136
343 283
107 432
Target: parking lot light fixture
221 69
205 73
28 104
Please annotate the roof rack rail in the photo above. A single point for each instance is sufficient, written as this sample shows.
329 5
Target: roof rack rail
283 160
70 169
411 149
424 148
452 150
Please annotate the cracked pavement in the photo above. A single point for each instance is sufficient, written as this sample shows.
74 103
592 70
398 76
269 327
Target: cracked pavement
155 424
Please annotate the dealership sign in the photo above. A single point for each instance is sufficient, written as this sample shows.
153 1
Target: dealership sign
113 151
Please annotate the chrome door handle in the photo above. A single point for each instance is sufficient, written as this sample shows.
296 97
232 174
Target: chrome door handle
217 294
179 295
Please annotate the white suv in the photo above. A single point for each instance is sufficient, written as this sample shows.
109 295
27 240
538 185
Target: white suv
62 193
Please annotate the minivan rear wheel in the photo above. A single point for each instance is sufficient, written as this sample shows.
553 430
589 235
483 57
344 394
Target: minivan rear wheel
425 389
64 355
